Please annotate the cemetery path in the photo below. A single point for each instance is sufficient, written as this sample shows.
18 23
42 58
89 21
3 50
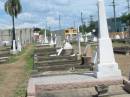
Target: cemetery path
12 74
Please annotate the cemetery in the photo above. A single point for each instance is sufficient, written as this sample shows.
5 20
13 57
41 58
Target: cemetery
51 81
76 61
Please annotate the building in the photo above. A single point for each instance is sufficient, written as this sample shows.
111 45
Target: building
25 35
70 32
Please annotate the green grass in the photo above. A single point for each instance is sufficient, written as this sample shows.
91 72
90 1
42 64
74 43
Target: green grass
22 87
120 44
14 58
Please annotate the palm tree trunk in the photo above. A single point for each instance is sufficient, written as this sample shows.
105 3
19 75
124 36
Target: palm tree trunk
13 31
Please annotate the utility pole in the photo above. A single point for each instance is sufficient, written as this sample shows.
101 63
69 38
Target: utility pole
114 11
74 24
59 22
91 19
82 22
128 6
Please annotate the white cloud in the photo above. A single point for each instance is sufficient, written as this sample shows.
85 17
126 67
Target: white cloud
25 15
1 5
5 26
37 12
51 21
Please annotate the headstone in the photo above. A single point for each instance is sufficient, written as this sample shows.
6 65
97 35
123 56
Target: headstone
86 38
88 51
87 55
19 48
81 38
67 46
123 36
117 37
51 42
45 38
95 57
106 67
95 39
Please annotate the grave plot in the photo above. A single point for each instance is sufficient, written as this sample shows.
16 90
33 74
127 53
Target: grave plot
122 50
43 61
4 54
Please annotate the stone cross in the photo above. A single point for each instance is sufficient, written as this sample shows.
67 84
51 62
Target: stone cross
106 66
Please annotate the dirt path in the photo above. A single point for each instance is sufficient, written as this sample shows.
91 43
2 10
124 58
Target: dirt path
11 75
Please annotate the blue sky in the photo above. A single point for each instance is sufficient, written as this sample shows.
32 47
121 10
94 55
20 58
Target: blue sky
36 13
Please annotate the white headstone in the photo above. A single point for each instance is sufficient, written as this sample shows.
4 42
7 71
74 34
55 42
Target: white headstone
95 57
67 45
95 39
106 67
81 38
45 38
117 37
55 39
19 48
123 36
51 42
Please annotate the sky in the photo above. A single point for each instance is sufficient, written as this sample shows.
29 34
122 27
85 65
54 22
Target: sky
39 13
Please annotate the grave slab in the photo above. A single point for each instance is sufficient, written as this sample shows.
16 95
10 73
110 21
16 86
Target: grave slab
70 81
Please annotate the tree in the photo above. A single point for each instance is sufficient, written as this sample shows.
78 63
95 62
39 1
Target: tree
13 8
88 28
82 28
91 26
126 19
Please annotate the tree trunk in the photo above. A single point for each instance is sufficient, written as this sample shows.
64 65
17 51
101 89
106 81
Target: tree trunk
13 31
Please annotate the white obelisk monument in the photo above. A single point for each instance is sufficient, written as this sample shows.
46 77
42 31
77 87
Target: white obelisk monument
51 42
106 66
45 38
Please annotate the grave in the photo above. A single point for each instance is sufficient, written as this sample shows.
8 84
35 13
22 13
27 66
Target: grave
122 50
43 60
4 54
67 49
106 67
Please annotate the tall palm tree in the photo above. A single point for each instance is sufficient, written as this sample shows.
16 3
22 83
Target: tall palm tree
13 8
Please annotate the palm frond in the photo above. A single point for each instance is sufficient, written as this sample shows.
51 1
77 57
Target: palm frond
13 7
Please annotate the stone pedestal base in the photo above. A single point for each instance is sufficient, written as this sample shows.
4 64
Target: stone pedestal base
13 52
108 70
